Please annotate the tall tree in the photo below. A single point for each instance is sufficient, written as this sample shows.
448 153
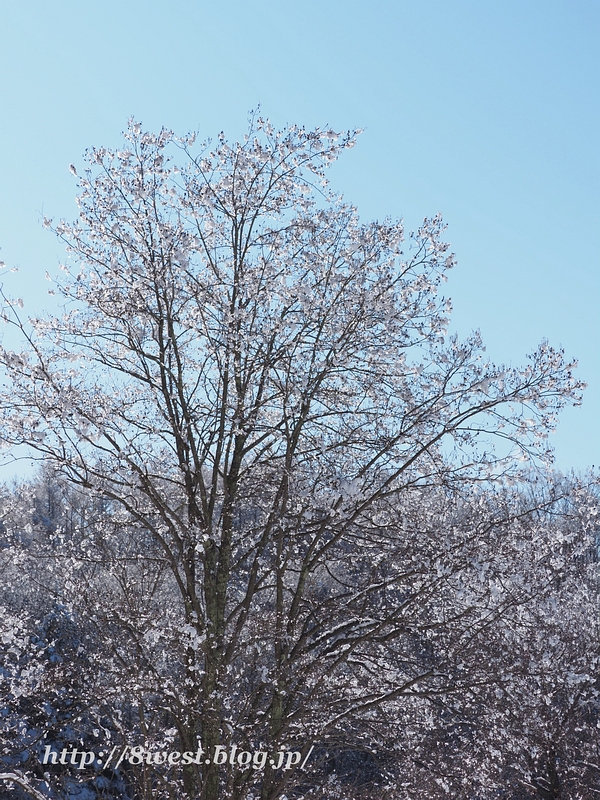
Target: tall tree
253 377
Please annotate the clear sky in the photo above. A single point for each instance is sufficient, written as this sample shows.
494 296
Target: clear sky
486 111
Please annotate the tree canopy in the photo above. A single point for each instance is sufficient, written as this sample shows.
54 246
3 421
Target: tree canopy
259 388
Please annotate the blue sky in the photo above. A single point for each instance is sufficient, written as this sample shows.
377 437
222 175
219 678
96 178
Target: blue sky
485 111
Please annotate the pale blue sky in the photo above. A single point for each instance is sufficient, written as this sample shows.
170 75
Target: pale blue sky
485 111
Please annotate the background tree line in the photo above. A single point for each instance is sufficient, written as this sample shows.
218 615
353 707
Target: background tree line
486 605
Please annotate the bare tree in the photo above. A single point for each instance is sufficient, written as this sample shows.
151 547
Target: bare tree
253 378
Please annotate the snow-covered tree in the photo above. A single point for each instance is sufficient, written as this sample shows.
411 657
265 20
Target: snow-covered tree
496 593
258 383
